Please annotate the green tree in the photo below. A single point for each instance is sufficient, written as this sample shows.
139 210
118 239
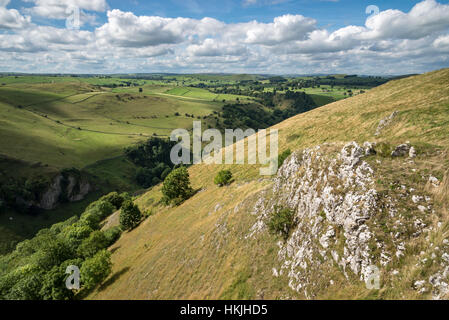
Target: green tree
89 247
282 221
112 235
102 208
27 288
53 282
75 234
176 187
284 155
223 178
115 199
52 253
90 219
96 269
23 283
130 215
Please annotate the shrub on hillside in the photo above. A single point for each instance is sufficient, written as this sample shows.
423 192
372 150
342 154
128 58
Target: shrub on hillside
27 287
115 199
52 253
96 269
101 208
90 246
284 155
384 149
176 187
153 159
281 222
54 282
130 215
113 234
223 178
75 234
90 219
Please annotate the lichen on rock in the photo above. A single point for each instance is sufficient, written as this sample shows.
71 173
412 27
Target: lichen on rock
332 195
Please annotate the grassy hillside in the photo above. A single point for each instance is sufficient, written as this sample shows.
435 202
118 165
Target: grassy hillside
51 123
74 124
202 249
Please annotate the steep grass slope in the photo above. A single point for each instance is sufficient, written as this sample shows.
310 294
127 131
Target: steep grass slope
390 212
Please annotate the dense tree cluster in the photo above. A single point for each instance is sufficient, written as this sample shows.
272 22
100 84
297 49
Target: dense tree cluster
36 269
153 159
274 109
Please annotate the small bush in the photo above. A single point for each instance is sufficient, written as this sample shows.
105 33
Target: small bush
96 269
282 221
75 234
176 188
384 149
53 282
284 155
130 215
90 219
223 178
115 199
113 234
101 208
95 242
148 213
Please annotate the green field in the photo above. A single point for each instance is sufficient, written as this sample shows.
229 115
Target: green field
73 124
203 94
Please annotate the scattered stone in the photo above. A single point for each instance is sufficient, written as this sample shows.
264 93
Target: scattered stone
400 250
434 181
324 240
401 150
419 284
422 209
385 122
369 148
440 286
445 257
412 153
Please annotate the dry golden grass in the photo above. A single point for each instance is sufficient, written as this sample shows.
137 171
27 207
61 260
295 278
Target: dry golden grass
195 252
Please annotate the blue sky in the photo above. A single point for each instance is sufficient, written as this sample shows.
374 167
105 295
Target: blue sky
329 13
251 36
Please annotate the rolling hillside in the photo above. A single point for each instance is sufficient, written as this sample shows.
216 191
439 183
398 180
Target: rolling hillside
353 209
48 124
72 124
